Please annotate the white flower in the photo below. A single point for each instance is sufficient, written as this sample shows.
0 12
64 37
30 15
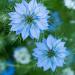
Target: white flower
22 55
68 71
70 4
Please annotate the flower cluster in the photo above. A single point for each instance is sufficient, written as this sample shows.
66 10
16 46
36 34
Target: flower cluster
31 19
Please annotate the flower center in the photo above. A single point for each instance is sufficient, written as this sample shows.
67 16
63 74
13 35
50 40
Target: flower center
29 19
51 53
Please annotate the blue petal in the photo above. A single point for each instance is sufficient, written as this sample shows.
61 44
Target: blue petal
19 20
17 27
61 62
42 24
41 11
26 5
14 15
35 32
25 32
60 43
47 64
62 55
32 5
53 64
60 48
50 41
41 46
42 61
20 8
38 53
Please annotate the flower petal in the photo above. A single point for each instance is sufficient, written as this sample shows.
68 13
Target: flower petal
61 62
14 15
20 8
47 64
41 46
53 64
41 11
32 5
35 31
38 53
50 41
42 24
25 32
26 6
17 27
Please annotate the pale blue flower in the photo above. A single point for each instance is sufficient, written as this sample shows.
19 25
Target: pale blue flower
29 19
54 21
21 55
50 53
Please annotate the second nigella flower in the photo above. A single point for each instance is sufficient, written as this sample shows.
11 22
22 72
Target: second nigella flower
29 19
50 53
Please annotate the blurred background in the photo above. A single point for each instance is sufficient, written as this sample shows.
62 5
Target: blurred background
9 41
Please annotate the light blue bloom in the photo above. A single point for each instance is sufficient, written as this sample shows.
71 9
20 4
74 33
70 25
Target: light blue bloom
29 19
54 21
50 53
9 70
21 55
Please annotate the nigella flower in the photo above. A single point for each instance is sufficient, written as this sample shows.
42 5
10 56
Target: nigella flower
29 19
50 53
22 55
6 68
54 21
70 4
